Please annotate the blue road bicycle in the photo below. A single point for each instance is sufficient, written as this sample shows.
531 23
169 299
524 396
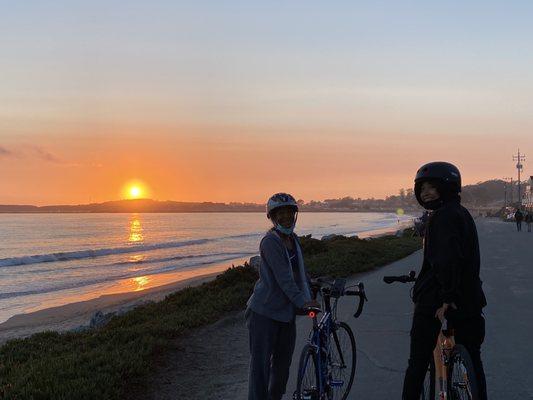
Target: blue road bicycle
327 363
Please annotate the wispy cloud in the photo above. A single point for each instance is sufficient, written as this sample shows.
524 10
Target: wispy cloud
42 154
45 155
30 151
5 152
83 165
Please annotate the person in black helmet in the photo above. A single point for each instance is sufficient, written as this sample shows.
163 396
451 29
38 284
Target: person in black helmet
448 285
281 291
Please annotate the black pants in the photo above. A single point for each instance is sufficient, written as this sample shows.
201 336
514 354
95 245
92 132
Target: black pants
424 333
271 347
529 226
519 226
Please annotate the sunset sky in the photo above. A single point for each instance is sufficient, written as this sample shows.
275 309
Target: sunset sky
235 100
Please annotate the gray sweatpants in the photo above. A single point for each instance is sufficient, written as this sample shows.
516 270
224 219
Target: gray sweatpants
271 347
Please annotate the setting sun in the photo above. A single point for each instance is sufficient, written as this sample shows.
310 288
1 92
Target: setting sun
135 192
135 189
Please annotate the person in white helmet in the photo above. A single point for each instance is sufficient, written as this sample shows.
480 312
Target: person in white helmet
282 291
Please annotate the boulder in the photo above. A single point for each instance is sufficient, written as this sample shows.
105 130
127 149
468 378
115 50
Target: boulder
329 237
255 262
99 319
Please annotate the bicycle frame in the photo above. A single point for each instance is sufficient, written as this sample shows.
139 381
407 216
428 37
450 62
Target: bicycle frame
441 359
319 341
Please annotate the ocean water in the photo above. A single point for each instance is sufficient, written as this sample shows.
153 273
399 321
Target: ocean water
53 259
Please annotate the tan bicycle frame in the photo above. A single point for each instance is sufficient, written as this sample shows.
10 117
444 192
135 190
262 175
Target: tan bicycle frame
441 354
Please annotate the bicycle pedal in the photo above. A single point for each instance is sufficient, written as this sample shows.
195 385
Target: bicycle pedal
336 383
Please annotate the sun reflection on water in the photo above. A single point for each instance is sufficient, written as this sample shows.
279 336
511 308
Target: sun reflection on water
140 283
136 258
136 230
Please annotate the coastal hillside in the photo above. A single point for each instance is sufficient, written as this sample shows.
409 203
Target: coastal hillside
484 194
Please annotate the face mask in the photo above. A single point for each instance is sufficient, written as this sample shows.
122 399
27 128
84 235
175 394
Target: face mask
433 205
282 229
446 195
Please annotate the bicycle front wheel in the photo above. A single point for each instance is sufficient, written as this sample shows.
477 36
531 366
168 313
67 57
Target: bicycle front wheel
307 384
462 383
428 392
342 360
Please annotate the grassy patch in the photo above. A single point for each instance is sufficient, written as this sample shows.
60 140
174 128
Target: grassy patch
106 363
343 256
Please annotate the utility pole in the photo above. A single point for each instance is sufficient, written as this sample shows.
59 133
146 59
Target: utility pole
511 192
519 158
505 180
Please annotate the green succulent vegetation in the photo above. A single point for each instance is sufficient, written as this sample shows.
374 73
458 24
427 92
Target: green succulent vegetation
109 362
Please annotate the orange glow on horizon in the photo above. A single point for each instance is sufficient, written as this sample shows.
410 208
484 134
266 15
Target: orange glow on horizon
216 165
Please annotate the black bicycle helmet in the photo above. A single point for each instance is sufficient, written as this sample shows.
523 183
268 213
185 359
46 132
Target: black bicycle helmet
445 176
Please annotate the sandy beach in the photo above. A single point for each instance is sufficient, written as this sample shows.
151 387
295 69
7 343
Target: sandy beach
73 315
131 293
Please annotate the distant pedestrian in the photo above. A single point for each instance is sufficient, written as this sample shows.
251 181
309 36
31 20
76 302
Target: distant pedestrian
519 217
529 220
421 224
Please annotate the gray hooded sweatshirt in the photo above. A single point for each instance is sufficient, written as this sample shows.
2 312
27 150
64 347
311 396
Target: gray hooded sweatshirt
279 292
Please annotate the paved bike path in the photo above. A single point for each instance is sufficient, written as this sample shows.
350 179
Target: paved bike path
382 332
212 362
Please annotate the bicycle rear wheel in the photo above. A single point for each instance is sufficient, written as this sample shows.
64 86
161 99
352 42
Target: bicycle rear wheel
462 383
342 360
307 383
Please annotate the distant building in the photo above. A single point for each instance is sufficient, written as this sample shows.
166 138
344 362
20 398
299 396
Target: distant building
529 194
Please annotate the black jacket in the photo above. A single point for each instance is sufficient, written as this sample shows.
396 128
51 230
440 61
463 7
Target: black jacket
450 270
